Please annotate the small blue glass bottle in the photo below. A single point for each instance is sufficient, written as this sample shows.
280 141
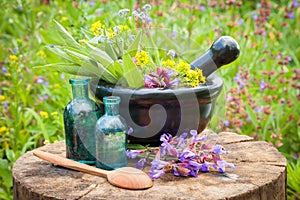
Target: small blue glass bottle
111 136
80 117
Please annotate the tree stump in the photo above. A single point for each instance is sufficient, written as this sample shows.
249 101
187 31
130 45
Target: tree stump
260 174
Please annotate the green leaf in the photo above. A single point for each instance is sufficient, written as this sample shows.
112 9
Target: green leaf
110 51
69 68
132 74
39 122
251 115
4 195
100 55
118 70
136 146
5 173
10 155
66 36
134 47
88 34
60 53
163 41
92 66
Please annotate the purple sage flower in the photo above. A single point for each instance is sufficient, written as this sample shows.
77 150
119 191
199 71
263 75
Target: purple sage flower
259 109
291 15
194 165
148 20
15 50
195 137
181 171
263 85
202 8
218 149
161 79
204 168
4 70
92 3
40 80
156 173
158 164
140 164
187 155
165 137
254 16
133 153
237 78
130 131
240 22
221 164
181 140
226 123
5 105
295 4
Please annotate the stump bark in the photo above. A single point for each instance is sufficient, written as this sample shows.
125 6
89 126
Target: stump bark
260 174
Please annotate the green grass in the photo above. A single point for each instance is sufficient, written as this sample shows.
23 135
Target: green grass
32 99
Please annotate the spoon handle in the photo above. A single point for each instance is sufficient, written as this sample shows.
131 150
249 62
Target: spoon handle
64 162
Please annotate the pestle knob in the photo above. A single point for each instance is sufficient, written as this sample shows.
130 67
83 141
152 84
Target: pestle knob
223 51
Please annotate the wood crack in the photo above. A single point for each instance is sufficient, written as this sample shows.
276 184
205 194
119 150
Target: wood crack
87 192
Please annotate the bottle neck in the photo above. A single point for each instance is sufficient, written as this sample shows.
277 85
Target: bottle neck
112 109
80 88
112 104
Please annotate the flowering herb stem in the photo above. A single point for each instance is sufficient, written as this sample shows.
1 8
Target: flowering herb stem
183 155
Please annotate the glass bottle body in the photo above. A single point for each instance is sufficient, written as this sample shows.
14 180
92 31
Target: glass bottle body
80 117
111 136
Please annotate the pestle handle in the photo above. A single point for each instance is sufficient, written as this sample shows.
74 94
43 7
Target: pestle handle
223 51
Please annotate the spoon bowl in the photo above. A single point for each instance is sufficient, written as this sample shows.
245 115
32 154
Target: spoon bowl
125 177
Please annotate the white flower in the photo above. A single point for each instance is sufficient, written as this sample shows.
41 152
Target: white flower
142 15
123 12
132 37
147 7
135 13
117 29
102 38
171 53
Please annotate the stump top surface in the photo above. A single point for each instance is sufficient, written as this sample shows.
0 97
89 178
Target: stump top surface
260 174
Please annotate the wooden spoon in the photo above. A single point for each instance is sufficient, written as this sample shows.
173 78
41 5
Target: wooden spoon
125 177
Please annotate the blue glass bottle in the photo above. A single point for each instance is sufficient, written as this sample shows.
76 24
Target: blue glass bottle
80 117
111 136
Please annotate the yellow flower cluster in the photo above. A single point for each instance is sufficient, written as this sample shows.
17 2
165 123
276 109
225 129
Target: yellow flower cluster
195 77
191 77
142 58
3 129
97 28
13 58
168 63
111 33
123 28
44 114
54 113
64 18
182 67
2 97
6 145
41 53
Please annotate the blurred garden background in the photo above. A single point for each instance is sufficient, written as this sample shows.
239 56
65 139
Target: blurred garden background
261 89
